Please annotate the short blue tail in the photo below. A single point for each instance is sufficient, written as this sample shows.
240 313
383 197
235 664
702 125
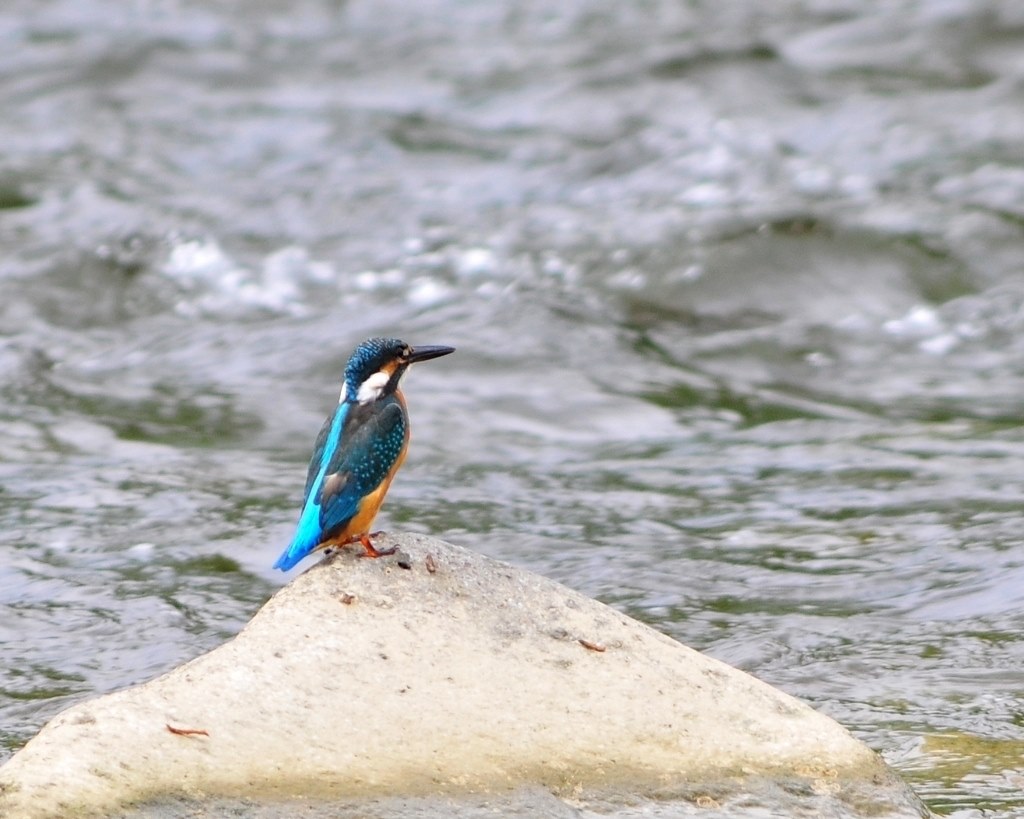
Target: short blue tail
290 558
307 538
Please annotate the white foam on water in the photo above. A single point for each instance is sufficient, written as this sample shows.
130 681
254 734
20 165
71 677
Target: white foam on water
426 292
215 283
918 321
476 261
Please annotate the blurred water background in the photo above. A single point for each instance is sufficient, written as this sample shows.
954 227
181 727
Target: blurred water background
737 290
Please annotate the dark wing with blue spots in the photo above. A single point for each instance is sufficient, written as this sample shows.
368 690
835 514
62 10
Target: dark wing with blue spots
361 446
371 444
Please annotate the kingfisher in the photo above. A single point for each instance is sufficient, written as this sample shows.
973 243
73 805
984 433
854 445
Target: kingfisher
359 449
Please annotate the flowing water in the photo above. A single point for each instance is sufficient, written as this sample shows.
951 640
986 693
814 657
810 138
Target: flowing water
737 290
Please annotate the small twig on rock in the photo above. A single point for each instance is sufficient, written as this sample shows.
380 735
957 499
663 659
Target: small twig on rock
187 732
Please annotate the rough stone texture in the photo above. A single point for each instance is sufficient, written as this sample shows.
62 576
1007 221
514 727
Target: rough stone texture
459 674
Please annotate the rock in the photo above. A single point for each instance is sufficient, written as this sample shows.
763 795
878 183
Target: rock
360 679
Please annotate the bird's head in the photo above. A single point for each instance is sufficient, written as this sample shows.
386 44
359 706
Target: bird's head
377 365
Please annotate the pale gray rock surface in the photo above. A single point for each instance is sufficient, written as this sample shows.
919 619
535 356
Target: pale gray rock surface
364 680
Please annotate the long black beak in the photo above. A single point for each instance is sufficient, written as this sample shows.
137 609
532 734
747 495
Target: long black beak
427 352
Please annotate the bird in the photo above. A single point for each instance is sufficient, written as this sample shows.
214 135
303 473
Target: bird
359 449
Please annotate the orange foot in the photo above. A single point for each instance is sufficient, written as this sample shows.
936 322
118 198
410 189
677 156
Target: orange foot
367 544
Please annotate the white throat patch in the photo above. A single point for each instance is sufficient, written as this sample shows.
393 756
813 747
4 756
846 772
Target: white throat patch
344 393
372 387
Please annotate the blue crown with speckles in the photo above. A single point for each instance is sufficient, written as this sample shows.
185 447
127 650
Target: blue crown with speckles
368 358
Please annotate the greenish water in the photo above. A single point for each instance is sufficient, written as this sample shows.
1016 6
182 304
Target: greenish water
737 295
